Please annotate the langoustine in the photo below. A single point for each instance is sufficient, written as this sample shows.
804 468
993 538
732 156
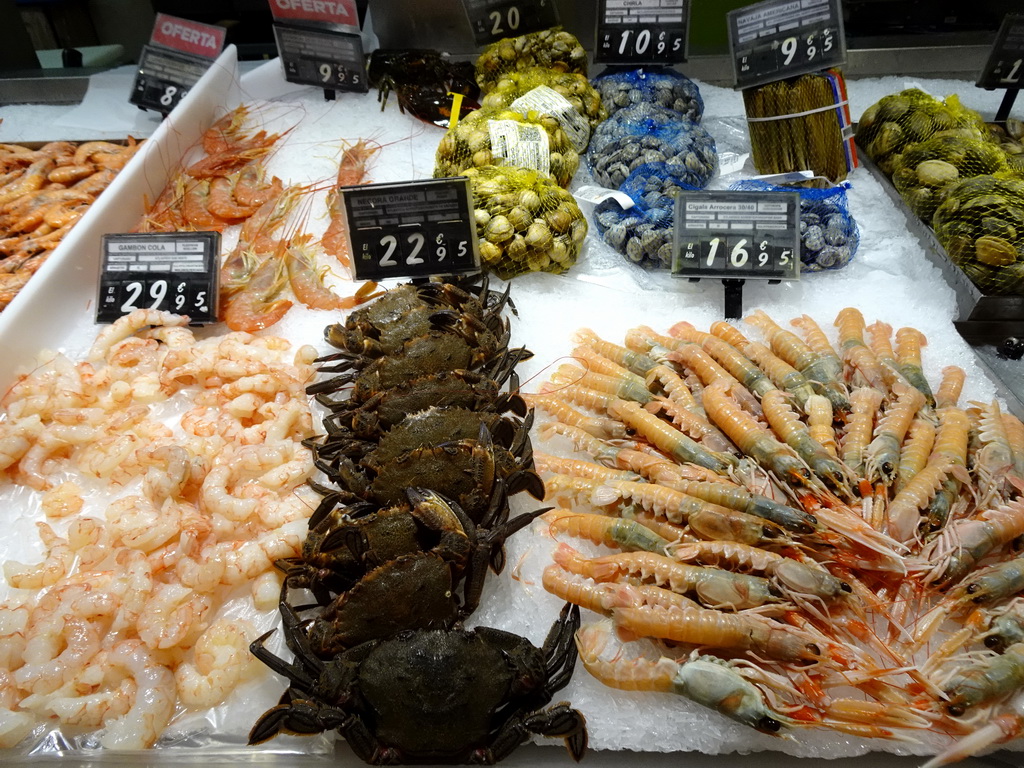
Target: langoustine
911 509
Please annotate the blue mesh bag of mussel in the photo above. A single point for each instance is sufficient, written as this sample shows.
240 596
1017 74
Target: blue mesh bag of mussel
829 235
643 232
684 146
621 89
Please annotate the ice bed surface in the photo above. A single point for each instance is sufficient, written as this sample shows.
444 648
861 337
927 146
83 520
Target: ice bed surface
888 280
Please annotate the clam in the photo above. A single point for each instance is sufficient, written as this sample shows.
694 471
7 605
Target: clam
516 249
539 236
936 173
520 218
499 230
489 252
994 251
529 200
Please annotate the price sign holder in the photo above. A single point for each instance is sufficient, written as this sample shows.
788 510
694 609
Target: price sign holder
178 54
494 19
778 39
412 229
170 271
1005 65
321 57
634 32
319 43
736 236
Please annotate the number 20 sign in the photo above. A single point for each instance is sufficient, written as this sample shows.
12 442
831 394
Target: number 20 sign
411 229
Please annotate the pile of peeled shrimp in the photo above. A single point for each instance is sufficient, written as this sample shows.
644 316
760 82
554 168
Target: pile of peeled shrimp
160 526
792 533
227 186
43 193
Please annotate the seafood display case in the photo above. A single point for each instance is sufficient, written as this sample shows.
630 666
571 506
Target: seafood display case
550 307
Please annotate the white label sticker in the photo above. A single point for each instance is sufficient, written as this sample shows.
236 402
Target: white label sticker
592 194
548 101
521 144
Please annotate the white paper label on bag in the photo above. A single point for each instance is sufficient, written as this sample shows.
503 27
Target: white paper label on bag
549 101
520 144
595 195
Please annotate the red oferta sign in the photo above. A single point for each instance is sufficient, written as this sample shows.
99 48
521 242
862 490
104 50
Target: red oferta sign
192 37
327 11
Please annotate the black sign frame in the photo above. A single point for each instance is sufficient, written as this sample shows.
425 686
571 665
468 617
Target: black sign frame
407 229
341 75
990 77
762 54
147 86
605 42
196 284
493 20
768 252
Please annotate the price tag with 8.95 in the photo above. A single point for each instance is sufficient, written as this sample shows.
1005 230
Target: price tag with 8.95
411 229
171 272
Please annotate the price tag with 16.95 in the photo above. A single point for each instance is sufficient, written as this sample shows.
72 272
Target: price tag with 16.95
724 234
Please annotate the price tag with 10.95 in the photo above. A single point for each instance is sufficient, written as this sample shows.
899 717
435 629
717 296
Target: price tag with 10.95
411 229
642 31
494 19
168 271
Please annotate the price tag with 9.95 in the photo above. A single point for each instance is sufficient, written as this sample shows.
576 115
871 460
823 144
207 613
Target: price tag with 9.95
777 39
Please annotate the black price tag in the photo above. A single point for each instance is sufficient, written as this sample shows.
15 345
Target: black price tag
329 60
642 31
737 235
1005 65
170 271
165 77
777 39
412 229
494 19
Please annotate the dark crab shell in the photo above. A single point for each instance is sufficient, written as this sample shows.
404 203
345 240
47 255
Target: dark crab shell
429 696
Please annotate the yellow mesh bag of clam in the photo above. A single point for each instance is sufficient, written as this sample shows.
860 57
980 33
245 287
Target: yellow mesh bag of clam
553 49
526 222
980 223
506 137
1011 140
573 88
922 170
911 116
